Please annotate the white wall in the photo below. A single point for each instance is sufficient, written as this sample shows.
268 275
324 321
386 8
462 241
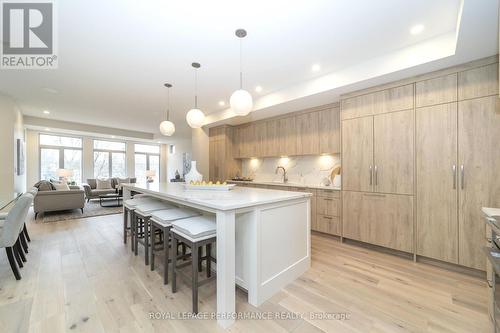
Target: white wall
308 170
200 144
11 129
175 161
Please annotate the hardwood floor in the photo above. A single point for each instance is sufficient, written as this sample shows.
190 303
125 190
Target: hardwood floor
81 278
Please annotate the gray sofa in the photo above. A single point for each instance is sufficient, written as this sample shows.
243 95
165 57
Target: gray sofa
49 200
92 192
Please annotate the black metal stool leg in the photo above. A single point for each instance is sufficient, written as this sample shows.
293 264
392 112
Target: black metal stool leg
166 251
174 263
152 242
209 260
125 223
194 279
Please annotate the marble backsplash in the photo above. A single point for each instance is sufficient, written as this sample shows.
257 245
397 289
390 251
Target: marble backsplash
308 170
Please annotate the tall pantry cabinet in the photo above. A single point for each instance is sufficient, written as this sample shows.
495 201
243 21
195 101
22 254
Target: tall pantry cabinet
458 163
378 167
428 154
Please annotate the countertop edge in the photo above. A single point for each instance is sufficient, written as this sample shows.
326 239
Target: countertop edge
299 195
316 187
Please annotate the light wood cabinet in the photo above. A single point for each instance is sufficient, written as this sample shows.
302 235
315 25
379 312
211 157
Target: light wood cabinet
222 163
478 82
272 145
394 99
436 171
437 90
328 206
394 152
380 219
260 142
287 136
357 154
329 131
328 224
359 106
307 133
479 180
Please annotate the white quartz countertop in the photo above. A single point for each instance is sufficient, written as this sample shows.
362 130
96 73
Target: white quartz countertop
321 187
238 197
491 212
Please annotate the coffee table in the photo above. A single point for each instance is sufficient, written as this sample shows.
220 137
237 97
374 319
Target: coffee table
110 200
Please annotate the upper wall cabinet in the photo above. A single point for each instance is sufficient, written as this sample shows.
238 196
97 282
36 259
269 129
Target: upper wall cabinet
478 82
329 131
394 99
388 100
287 136
438 90
272 138
307 133
358 106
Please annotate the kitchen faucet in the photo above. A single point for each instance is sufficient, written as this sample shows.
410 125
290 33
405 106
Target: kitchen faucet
285 178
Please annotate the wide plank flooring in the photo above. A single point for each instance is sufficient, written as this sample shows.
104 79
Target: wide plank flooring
81 278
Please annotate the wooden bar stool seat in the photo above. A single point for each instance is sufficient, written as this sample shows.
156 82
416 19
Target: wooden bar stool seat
161 223
195 232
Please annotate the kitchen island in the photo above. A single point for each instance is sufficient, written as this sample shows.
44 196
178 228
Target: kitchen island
263 237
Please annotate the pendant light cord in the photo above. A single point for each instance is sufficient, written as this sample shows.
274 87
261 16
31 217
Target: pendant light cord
168 104
241 64
195 88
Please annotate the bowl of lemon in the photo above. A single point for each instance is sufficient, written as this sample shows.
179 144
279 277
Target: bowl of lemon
210 185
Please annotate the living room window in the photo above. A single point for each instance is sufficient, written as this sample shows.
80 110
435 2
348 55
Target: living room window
60 152
147 157
109 159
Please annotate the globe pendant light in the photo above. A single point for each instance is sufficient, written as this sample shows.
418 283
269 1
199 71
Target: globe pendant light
195 117
167 127
241 100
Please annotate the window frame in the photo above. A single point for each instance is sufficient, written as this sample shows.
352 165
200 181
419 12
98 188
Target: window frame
61 153
148 164
110 156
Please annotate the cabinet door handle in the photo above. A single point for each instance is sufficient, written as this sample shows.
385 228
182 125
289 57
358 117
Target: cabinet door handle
327 217
462 176
454 173
371 175
376 175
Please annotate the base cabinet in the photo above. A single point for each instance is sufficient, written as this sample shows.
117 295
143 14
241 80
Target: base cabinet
380 219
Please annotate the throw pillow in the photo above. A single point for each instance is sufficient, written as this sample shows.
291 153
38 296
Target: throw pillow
61 186
104 184
122 181
44 185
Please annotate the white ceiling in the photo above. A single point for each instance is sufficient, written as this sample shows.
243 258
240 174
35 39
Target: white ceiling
114 56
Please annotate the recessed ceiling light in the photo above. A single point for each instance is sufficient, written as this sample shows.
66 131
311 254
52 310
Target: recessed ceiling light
112 137
47 129
46 111
416 29
159 141
315 68
222 103
258 89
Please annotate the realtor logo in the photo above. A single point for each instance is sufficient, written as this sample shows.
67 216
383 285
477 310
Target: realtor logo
28 35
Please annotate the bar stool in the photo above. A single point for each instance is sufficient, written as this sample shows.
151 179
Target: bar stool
195 232
128 209
141 222
161 221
